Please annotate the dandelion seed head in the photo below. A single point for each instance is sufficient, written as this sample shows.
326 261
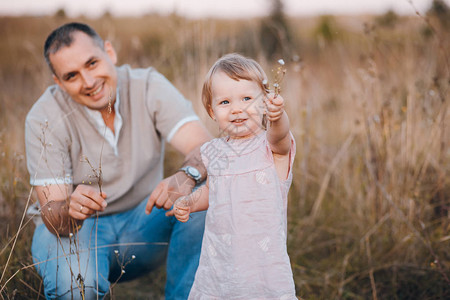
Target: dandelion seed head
123 271
133 256
116 251
71 234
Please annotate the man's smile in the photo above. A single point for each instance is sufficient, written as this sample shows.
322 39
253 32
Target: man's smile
98 90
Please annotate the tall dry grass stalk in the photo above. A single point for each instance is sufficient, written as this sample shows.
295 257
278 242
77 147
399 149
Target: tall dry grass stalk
369 205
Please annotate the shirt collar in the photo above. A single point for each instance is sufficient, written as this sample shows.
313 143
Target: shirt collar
100 125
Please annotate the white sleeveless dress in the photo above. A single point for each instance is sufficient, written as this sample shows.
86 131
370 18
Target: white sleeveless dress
244 252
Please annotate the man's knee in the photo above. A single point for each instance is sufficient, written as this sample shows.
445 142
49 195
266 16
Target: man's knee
68 271
67 282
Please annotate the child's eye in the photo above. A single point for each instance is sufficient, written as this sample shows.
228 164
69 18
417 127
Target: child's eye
247 98
224 102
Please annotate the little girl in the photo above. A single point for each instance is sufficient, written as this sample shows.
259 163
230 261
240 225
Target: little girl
249 173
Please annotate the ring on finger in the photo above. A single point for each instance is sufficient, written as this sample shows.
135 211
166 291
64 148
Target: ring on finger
81 208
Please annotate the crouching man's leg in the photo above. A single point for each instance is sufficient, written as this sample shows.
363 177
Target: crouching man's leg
70 267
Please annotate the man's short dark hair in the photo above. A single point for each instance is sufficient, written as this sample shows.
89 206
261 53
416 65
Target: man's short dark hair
63 37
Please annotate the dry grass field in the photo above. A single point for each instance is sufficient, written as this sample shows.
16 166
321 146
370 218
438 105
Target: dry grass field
368 99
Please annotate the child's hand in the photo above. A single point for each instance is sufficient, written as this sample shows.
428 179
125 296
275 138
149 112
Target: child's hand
181 209
275 107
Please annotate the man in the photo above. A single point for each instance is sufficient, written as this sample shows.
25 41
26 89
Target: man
95 147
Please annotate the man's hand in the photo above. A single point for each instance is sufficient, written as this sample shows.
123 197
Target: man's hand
85 201
187 140
63 210
168 190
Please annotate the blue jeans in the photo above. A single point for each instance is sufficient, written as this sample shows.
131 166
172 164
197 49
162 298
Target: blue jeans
132 241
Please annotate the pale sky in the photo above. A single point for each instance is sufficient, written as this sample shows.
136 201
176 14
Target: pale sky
208 8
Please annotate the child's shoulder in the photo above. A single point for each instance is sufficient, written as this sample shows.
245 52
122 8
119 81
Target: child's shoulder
216 142
213 149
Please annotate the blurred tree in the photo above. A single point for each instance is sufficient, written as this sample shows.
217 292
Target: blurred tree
389 19
275 36
107 14
326 29
441 11
60 13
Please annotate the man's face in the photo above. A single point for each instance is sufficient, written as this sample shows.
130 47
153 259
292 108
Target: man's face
86 72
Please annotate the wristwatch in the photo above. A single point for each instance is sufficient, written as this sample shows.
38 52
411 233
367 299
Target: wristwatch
193 173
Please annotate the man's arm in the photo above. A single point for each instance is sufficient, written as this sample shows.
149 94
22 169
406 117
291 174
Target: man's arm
187 140
54 201
63 209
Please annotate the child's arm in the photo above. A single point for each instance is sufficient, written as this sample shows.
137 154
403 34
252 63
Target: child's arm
278 129
198 200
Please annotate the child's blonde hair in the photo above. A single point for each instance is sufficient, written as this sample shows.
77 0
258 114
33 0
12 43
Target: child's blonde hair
236 67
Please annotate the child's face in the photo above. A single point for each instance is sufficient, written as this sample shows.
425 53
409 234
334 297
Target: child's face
237 106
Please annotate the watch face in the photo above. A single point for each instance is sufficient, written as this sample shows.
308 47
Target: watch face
193 171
